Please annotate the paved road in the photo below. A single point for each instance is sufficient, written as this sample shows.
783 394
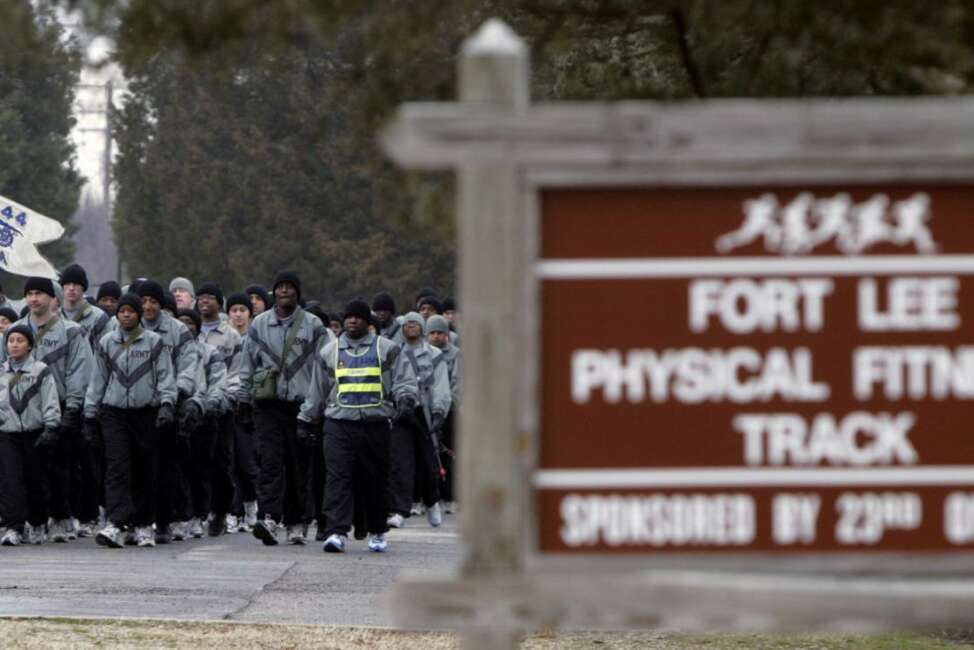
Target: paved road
230 577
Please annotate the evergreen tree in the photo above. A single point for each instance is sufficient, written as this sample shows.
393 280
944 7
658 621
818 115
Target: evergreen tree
38 73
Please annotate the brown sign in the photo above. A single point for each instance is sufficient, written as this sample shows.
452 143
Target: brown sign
774 369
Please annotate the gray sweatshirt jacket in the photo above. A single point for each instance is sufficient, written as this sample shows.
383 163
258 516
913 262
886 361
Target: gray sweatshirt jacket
264 344
175 337
92 320
130 376
211 379
228 342
398 380
430 368
28 397
63 347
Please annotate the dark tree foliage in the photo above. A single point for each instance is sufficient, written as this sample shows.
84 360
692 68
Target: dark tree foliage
38 73
253 118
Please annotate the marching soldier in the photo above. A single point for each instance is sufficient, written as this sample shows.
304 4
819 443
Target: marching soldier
438 335
275 377
133 394
360 382
29 420
415 442
244 448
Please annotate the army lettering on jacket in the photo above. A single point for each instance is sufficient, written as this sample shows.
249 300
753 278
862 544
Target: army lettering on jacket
211 379
263 346
398 379
28 397
63 347
434 379
230 344
451 356
130 375
175 338
91 319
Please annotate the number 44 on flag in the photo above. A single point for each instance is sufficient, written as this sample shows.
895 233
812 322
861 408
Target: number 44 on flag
21 230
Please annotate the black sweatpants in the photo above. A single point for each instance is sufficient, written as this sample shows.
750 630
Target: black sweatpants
131 464
284 477
244 467
413 459
222 469
356 456
447 457
63 463
23 480
201 448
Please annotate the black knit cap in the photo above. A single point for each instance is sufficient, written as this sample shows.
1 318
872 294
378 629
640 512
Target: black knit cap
110 289
360 308
20 329
133 301
193 315
290 277
240 299
211 289
9 314
449 304
152 289
35 283
433 301
383 300
262 292
169 302
425 291
76 274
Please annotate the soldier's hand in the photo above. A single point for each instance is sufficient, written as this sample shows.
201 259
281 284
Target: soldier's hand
47 439
405 406
89 430
166 417
190 417
438 420
71 420
307 433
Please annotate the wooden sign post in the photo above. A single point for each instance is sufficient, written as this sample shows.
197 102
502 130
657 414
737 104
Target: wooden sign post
719 359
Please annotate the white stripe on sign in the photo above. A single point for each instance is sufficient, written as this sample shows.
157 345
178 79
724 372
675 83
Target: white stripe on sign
572 479
689 267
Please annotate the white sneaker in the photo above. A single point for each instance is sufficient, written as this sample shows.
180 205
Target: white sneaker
58 531
335 544
231 525
378 543
109 536
250 513
177 530
195 528
144 536
418 509
435 515
449 507
296 534
396 521
87 529
10 538
37 534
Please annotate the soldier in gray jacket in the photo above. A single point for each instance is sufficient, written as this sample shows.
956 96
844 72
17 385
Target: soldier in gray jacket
63 347
29 417
361 382
199 420
221 335
176 341
87 485
275 378
438 335
415 460
133 392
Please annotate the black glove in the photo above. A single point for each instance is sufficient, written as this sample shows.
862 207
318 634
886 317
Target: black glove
405 406
438 421
71 420
47 439
245 415
190 417
182 396
307 434
89 430
166 417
